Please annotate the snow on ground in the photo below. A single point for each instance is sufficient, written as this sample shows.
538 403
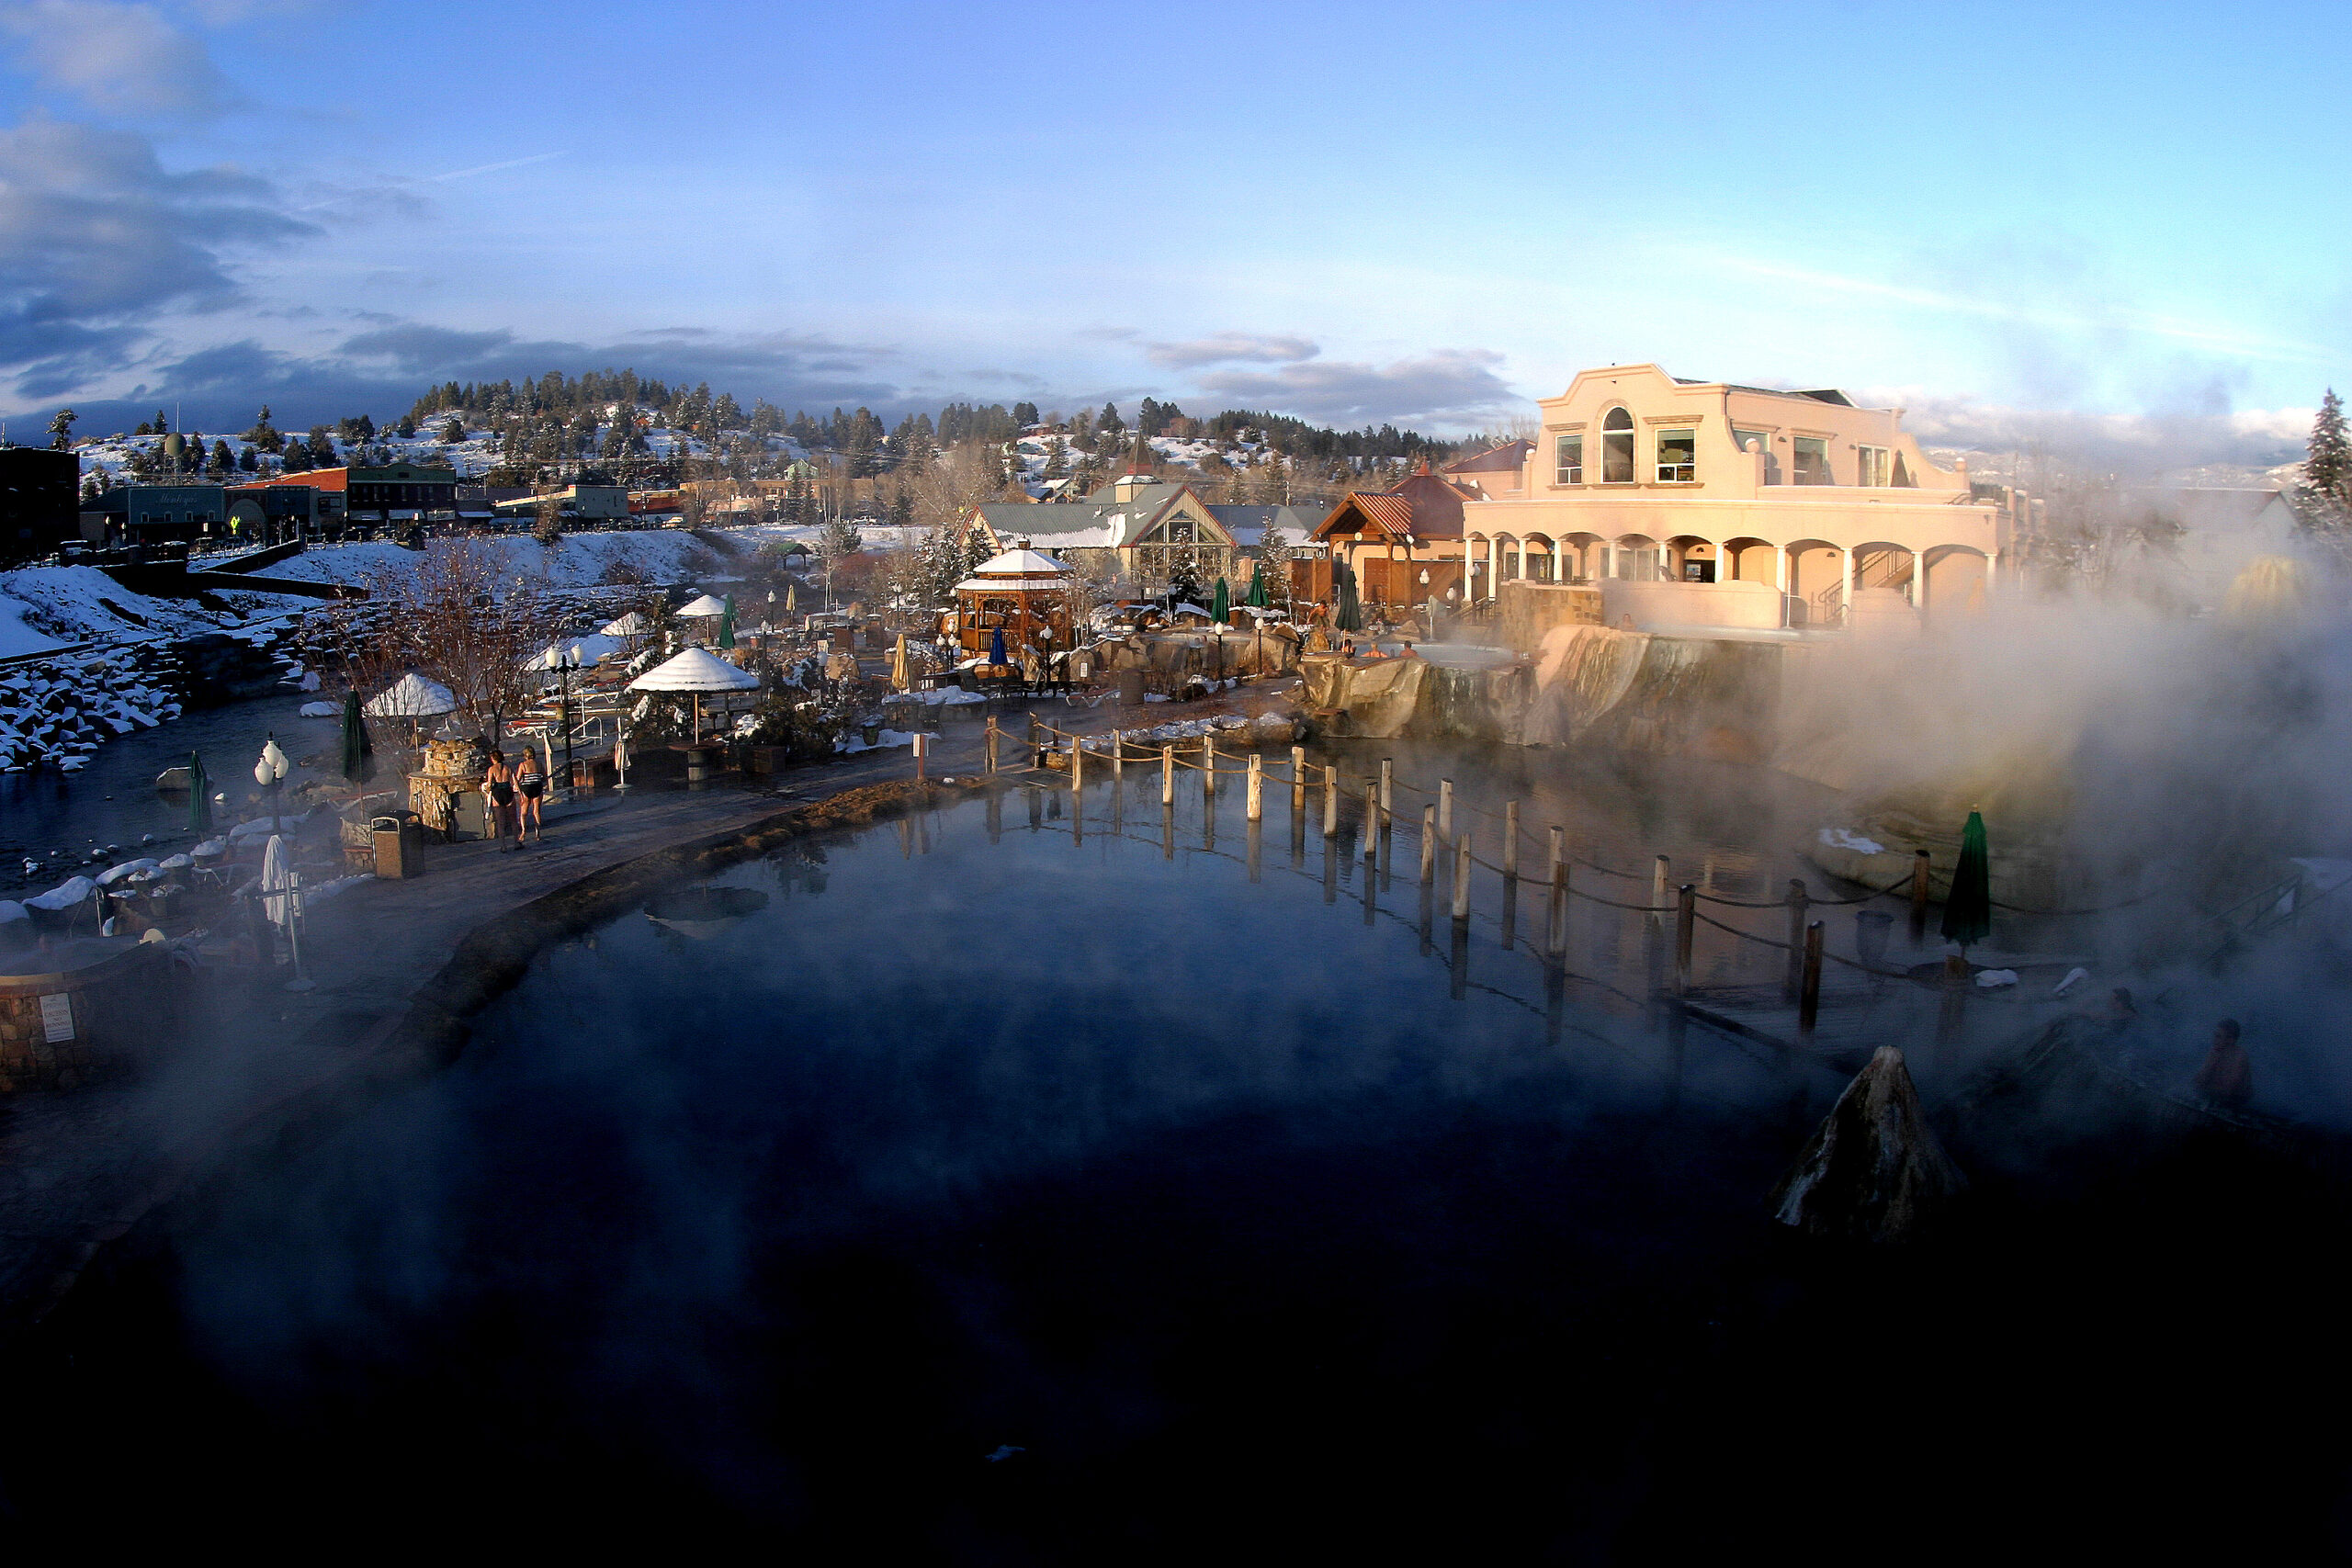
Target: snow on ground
43 607
578 560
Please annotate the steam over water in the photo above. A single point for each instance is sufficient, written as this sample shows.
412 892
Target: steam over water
1053 1199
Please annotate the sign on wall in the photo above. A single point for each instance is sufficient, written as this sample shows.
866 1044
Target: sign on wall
57 1017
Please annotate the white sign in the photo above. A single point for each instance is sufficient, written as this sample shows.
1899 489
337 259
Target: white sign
923 746
56 1017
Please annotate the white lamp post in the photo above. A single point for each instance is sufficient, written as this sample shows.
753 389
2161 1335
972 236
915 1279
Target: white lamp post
270 772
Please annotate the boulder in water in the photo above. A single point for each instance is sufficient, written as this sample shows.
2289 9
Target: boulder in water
1874 1172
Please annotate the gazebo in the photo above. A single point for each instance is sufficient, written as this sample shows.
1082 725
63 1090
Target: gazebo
697 672
1020 593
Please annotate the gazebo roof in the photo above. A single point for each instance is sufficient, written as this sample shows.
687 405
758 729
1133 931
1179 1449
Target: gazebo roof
706 605
1021 563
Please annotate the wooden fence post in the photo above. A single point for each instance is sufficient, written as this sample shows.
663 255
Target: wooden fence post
1809 1000
1510 839
1118 754
1462 879
1555 932
1298 778
1388 791
1428 845
1077 765
1330 802
1371 819
991 743
1208 764
1445 809
1919 868
1686 923
1168 774
1798 905
1257 808
1661 883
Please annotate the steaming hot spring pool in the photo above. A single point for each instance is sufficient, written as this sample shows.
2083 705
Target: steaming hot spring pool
974 1188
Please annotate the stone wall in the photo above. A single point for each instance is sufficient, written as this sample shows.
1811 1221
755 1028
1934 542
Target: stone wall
1525 612
121 1007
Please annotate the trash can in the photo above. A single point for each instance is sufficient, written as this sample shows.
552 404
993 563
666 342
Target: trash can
396 844
1870 928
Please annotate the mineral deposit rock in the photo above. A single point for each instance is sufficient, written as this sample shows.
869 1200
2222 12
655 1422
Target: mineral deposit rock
1874 1172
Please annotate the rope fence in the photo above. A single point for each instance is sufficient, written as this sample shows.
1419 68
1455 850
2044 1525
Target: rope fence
1117 748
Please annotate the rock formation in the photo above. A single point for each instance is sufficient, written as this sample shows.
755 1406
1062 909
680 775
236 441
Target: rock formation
1874 1172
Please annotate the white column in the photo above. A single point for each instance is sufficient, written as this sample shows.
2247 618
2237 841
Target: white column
1780 578
1846 602
1559 561
1992 574
1919 581
1493 561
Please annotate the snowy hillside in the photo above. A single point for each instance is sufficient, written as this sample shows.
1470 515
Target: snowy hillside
473 457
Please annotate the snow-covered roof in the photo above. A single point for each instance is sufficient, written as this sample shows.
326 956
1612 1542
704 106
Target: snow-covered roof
1021 563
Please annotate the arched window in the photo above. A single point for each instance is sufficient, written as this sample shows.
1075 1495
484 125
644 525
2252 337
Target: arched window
1617 447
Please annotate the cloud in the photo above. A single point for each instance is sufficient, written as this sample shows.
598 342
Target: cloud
96 237
2202 335
119 59
1448 386
1222 347
2135 445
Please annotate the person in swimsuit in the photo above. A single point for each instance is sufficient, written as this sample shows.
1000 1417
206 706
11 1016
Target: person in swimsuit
531 780
498 783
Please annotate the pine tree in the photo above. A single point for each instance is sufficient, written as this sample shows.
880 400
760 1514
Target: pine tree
454 431
60 431
2327 463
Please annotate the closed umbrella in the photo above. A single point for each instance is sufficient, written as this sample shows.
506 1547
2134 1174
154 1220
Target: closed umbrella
276 877
727 624
1351 616
791 598
902 676
996 648
1221 602
1256 597
356 744
1968 911
199 797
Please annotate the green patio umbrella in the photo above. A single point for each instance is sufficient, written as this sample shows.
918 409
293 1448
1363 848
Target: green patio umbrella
1256 597
1351 612
356 747
199 797
1968 910
727 624
1221 604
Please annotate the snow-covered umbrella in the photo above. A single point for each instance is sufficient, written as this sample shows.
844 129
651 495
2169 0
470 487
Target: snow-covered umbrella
703 606
696 671
413 698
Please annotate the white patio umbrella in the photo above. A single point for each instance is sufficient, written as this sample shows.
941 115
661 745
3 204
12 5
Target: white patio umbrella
696 671
412 696
706 605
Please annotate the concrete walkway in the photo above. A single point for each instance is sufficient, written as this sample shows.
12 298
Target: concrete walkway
79 1169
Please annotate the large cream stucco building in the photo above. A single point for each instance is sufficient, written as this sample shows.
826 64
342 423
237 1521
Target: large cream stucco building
1704 503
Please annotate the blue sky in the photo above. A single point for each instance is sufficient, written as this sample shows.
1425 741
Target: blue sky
2114 227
